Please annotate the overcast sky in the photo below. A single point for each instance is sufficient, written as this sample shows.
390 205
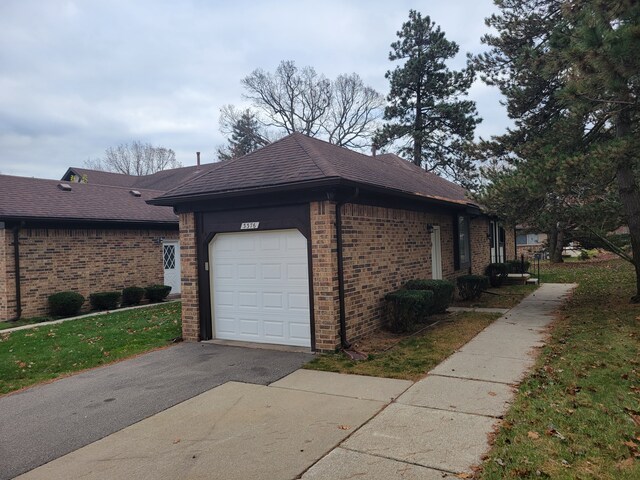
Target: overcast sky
79 76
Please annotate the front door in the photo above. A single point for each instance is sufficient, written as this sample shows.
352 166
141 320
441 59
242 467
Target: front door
436 254
171 262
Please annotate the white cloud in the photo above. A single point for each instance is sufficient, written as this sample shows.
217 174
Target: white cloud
79 76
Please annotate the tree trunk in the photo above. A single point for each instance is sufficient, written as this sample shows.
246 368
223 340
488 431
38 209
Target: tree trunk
629 195
552 237
557 252
417 129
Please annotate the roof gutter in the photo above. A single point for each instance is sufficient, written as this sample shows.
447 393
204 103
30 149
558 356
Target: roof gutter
343 318
16 264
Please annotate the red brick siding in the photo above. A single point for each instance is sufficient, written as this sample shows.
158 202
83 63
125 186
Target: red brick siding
4 308
480 246
510 243
81 260
325 276
189 274
384 248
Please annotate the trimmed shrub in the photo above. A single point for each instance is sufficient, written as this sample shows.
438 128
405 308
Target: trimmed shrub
132 295
496 272
584 255
442 292
104 300
471 286
406 308
517 266
157 293
65 304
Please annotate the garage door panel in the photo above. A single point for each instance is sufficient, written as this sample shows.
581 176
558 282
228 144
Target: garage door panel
297 271
249 326
247 271
272 271
298 301
273 300
224 271
225 325
260 283
248 299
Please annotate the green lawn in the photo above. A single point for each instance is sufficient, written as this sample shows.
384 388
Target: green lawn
46 352
414 356
578 414
21 322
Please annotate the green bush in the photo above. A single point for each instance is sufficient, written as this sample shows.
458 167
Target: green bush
471 286
104 300
496 272
442 292
132 295
584 255
157 293
517 266
65 304
406 308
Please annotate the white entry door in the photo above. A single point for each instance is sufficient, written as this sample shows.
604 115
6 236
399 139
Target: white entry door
171 262
436 254
260 287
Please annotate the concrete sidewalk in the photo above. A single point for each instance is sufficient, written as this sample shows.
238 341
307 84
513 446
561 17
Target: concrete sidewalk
235 431
374 428
440 426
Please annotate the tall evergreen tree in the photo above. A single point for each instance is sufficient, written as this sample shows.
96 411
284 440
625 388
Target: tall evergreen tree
577 60
244 133
426 116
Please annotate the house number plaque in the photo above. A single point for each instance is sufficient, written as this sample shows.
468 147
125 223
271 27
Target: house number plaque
249 225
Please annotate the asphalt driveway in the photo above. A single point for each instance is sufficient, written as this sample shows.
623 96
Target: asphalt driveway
47 421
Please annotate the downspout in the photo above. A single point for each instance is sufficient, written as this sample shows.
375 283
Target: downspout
343 321
16 262
515 244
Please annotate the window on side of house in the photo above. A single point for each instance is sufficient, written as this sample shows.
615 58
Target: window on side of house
521 239
464 257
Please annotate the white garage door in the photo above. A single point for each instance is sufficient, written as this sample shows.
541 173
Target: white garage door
260 287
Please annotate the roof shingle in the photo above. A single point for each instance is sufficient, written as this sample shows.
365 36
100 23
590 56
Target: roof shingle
36 198
298 158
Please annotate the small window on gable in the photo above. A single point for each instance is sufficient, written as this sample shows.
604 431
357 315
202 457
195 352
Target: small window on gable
464 254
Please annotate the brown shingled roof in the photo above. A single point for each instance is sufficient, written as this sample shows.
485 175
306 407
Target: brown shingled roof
298 160
34 198
163 180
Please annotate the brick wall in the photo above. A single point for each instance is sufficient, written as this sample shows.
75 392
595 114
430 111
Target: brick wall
189 274
82 260
4 314
480 247
384 248
510 243
325 276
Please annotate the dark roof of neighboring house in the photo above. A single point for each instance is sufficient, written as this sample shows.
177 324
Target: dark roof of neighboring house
298 161
35 198
163 180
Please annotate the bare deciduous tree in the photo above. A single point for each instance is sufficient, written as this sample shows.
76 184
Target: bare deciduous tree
301 100
135 158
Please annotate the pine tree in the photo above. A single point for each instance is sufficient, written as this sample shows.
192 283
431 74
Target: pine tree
573 64
244 136
425 114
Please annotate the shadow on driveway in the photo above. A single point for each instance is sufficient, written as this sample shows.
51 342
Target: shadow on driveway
45 422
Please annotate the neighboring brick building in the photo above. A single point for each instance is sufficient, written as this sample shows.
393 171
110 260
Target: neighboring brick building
314 238
81 237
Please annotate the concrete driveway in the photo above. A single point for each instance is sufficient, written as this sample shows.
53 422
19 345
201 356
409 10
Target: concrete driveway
47 421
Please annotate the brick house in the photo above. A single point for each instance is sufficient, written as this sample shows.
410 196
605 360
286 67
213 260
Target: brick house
91 231
298 242
57 236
